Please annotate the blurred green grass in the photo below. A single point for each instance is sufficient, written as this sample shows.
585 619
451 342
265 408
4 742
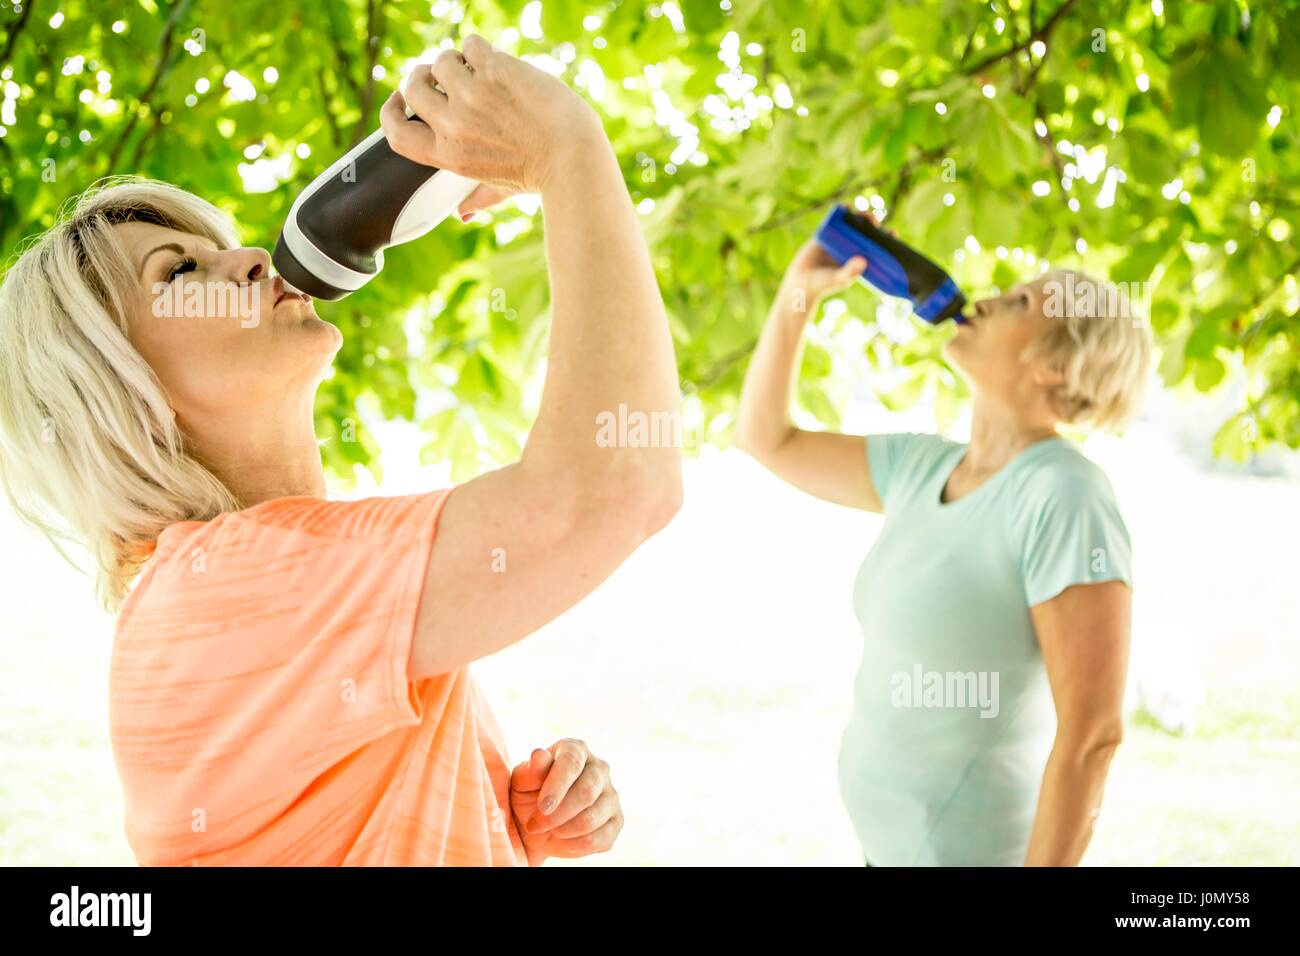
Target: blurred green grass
1223 795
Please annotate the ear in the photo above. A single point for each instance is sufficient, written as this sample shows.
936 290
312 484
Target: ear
1048 382
1043 376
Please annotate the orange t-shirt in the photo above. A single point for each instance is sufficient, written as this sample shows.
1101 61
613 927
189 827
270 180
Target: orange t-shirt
259 706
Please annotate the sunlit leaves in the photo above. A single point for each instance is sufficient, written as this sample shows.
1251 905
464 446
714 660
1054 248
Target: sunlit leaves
847 100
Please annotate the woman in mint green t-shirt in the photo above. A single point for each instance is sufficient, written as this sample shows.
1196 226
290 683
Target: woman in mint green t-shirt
995 604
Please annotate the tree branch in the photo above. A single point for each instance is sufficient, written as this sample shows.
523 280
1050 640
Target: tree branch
11 36
1042 33
144 140
848 188
335 133
1263 297
166 59
342 56
904 182
375 25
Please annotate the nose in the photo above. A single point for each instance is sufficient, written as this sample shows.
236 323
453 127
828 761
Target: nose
983 307
248 264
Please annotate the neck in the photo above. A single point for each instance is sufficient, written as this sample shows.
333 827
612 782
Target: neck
263 455
999 433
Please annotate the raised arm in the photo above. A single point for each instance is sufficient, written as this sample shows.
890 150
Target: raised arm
518 546
830 465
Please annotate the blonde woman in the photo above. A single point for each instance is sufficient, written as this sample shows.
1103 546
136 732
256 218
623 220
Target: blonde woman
995 604
289 678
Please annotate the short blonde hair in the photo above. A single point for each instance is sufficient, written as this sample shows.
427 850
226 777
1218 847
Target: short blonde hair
1099 344
90 451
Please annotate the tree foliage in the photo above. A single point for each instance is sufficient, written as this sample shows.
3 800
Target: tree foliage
737 124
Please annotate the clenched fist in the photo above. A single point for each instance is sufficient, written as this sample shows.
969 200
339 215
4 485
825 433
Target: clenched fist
489 116
564 803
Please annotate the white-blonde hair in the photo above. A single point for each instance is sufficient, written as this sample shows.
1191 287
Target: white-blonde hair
90 451
1099 345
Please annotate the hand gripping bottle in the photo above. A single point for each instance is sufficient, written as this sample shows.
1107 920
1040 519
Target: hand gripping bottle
893 267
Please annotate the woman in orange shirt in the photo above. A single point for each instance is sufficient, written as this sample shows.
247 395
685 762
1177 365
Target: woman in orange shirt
289 681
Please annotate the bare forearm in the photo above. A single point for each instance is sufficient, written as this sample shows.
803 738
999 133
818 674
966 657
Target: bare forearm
763 422
609 340
1068 804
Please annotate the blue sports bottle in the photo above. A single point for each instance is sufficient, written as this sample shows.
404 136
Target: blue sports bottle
893 267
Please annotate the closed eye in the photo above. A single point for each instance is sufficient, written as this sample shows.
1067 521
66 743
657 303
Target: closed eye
186 264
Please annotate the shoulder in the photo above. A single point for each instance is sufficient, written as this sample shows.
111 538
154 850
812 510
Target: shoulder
1066 524
286 539
1061 492
1062 473
353 518
902 462
910 449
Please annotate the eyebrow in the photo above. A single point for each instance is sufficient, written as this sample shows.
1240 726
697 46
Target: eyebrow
174 247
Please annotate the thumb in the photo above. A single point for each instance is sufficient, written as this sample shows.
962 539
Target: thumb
483 197
531 774
850 271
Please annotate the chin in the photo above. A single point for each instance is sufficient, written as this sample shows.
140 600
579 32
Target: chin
325 337
306 323
952 353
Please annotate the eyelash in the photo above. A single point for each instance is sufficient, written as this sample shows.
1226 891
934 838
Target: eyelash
188 264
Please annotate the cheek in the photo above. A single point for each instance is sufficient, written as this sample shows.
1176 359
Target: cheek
197 360
1009 342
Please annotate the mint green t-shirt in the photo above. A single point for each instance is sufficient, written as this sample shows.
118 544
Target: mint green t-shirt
952 721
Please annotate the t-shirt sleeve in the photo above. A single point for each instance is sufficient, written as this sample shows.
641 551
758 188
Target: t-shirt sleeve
279 634
897 461
1073 533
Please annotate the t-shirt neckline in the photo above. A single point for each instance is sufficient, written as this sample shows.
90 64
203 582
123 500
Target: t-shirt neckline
936 496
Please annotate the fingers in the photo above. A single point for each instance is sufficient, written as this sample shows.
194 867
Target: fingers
581 795
451 72
415 141
571 758
605 808
429 104
476 51
851 269
871 218
529 775
483 197
598 841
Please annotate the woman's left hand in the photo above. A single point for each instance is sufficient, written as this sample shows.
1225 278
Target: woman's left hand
816 272
567 780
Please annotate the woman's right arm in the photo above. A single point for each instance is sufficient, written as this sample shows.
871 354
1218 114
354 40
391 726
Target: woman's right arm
518 546
830 465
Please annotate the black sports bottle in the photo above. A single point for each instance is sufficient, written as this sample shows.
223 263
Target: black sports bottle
334 238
